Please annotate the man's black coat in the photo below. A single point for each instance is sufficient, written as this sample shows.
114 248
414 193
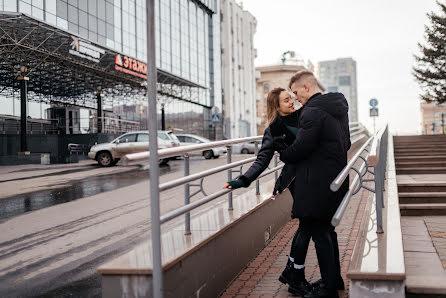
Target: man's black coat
318 154
275 138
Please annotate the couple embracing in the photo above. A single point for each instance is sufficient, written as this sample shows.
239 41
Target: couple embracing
313 143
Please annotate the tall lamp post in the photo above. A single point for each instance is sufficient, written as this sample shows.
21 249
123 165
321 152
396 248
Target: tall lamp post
23 79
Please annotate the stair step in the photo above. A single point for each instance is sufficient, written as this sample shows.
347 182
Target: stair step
423 209
420 170
427 153
422 197
422 163
425 275
421 187
438 158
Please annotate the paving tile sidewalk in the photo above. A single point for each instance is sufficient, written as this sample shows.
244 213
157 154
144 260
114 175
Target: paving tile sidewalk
260 277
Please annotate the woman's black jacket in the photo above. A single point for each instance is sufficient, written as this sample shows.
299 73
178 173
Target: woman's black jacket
276 138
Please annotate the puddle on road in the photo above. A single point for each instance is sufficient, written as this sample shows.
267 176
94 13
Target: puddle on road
86 187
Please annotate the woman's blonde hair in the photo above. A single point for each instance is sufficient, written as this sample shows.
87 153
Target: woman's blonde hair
272 104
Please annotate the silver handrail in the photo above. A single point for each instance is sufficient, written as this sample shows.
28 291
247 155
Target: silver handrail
376 144
179 151
190 178
339 180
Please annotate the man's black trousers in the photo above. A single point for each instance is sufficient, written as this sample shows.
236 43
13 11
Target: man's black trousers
326 243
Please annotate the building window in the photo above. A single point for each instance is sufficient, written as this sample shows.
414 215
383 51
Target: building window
344 80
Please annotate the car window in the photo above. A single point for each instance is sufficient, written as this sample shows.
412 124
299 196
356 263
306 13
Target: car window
193 140
143 137
181 138
172 136
127 138
163 136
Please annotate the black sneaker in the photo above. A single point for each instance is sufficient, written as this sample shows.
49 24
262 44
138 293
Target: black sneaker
318 283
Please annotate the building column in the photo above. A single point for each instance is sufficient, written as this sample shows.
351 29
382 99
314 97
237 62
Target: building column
99 111
23 111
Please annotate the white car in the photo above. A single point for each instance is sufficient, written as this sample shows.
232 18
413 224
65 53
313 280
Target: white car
108 154
246 148
189 139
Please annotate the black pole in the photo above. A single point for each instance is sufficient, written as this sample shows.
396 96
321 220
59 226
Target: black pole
442 122
99 112
23 112
163 118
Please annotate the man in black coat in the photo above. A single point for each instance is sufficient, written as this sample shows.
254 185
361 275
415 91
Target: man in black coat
319 153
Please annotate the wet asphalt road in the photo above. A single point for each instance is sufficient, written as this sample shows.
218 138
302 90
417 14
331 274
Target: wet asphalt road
54 252
22 203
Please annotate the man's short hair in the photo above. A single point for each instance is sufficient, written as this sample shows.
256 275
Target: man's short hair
300 75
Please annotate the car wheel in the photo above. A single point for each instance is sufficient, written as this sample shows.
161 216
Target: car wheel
208 154
245 151
105 159
163 162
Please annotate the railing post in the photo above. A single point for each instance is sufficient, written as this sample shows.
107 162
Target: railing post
276 174
380 172
256 151
229 160
379 197
186 195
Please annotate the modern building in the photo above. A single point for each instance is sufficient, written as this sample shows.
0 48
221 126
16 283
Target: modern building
270 77
340 76
433 118
92 55
239 91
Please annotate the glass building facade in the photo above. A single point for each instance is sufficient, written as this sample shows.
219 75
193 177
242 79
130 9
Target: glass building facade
187 32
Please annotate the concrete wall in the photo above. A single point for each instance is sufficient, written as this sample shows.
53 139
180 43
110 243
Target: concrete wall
207 270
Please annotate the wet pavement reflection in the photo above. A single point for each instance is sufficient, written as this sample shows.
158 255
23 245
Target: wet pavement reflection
87 187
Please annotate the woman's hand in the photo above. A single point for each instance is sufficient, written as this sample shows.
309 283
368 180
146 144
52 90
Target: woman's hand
234 184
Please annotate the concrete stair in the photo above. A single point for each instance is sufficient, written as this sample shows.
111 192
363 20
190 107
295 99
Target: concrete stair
416 156
420 163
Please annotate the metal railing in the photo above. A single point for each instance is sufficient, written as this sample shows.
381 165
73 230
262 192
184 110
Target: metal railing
188 178
373 153
230 166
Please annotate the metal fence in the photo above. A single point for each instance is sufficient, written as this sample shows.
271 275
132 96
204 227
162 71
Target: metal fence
374 160
11 125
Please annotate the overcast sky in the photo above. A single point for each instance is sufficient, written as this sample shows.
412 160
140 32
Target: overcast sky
381 35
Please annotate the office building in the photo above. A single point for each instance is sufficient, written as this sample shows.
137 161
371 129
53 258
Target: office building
238 72
340 76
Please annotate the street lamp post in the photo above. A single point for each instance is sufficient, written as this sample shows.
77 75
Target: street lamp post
23 110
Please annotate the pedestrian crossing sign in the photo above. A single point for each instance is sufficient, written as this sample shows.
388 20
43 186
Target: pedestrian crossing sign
215 118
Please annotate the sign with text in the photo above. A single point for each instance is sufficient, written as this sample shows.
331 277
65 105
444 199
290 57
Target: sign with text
131 66
85 50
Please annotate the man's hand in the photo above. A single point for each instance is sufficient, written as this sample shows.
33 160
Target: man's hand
279 143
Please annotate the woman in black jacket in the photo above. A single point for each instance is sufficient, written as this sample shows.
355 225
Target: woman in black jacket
280 133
